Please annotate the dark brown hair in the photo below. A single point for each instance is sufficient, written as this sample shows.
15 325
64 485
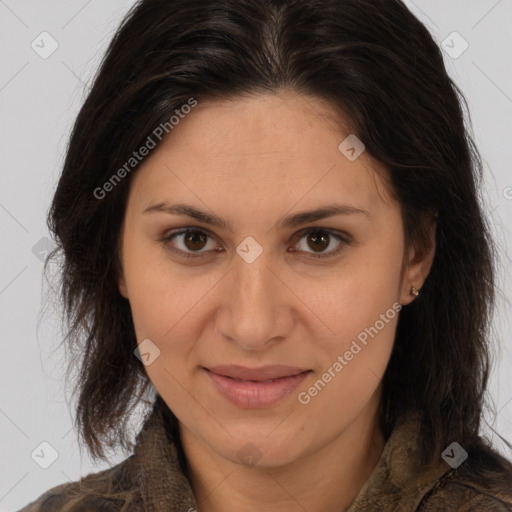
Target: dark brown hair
376 62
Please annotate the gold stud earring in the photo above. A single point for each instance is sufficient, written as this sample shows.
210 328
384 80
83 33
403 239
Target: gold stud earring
414 291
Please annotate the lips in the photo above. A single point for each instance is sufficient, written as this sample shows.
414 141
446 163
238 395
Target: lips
265 373
255 388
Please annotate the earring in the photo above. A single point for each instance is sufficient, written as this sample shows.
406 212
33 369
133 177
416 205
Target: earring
414 291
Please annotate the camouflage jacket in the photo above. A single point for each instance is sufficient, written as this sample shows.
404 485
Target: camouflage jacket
154 479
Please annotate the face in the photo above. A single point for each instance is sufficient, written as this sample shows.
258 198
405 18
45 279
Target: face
319 295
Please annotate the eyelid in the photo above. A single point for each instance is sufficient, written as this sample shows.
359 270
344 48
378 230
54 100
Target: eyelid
170 235
343 237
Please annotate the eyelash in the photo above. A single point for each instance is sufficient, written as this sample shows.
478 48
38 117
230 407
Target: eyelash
331 254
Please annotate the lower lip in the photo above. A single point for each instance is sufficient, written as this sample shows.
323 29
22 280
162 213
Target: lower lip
253 395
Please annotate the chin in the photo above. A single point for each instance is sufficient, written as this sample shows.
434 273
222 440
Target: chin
260 449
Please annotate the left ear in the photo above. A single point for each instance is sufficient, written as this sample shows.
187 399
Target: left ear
419 262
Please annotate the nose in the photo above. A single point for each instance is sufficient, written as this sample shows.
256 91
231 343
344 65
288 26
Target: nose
257 307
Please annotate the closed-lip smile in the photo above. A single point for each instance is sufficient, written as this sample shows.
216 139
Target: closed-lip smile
255 387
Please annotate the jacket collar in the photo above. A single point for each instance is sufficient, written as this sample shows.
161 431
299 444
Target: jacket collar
396 483
164 485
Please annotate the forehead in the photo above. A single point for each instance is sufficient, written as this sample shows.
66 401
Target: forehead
282 146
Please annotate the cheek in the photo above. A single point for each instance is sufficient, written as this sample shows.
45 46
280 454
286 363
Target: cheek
167 302
353 367
361 309
353 298
364 340
164 310
152 299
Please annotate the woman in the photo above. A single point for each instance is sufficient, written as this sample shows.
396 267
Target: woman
269 216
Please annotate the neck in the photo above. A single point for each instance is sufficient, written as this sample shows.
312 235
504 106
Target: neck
328 480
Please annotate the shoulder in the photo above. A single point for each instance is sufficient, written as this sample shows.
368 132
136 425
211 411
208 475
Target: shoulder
104 491
70 497
482 482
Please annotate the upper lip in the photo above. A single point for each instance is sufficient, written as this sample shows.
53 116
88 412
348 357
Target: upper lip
257 374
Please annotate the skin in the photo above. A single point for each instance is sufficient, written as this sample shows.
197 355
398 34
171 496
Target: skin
252 161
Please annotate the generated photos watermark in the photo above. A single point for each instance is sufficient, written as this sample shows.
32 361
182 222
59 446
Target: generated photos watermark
138 156
305 397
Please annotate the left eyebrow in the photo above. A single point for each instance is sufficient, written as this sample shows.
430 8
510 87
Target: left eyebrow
288 222
320 213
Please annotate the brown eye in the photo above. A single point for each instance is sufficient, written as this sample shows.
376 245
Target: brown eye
190 243
318 240
195 240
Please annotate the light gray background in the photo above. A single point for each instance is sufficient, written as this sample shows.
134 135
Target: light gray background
39 99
